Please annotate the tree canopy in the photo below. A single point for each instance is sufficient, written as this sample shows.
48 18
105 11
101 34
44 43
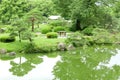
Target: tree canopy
85 13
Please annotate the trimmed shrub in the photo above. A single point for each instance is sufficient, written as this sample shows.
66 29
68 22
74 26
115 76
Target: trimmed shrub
59 28
7 39
46 29
52 35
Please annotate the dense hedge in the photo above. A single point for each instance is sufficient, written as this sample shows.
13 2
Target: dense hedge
59 28
52 35
7 39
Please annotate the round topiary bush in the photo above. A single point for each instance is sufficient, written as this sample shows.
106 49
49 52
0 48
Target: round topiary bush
59 28
52 35
7 39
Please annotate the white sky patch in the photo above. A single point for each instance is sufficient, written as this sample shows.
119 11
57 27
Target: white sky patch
114 60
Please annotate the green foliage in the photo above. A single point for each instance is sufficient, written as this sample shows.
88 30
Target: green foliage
76 39
6 28
11 10
99 36
102 36
32 48
63 7
2 30
98 30
88 12
44 6
88 31
46 29
7 39
52 35
57 22
27 35
59 28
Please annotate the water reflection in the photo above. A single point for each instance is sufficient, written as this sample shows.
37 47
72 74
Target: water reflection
28 67
114 60
81 65
22 68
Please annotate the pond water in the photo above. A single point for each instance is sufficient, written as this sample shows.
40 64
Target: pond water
85 63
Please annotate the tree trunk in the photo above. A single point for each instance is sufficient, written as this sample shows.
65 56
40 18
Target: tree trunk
33 21
38 25
19 36
32 25
78 27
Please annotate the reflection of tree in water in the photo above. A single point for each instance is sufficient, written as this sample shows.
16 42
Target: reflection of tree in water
82 66
20 69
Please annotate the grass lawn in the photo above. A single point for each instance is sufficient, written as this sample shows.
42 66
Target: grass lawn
39 41
47 42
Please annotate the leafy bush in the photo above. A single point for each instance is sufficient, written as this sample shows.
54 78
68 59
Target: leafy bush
72 27
97 30
59 28
32 48
46 29
7 39
57 22
88 31
52 35
8 28
78 39
75 39
102 36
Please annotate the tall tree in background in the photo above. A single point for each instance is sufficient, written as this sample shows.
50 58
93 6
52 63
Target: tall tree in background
85 13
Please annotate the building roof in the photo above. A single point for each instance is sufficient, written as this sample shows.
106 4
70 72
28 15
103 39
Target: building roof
54 17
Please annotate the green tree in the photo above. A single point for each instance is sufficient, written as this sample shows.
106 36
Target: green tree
21 29
33 16
44 6
85 13
11 9
19 26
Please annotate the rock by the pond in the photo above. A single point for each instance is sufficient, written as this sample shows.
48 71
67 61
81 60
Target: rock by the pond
3 51
12 53
70 47
61 46
2 30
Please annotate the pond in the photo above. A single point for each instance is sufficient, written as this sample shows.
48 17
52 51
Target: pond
85 63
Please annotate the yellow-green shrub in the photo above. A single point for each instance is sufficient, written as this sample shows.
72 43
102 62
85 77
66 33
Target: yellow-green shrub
52 35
